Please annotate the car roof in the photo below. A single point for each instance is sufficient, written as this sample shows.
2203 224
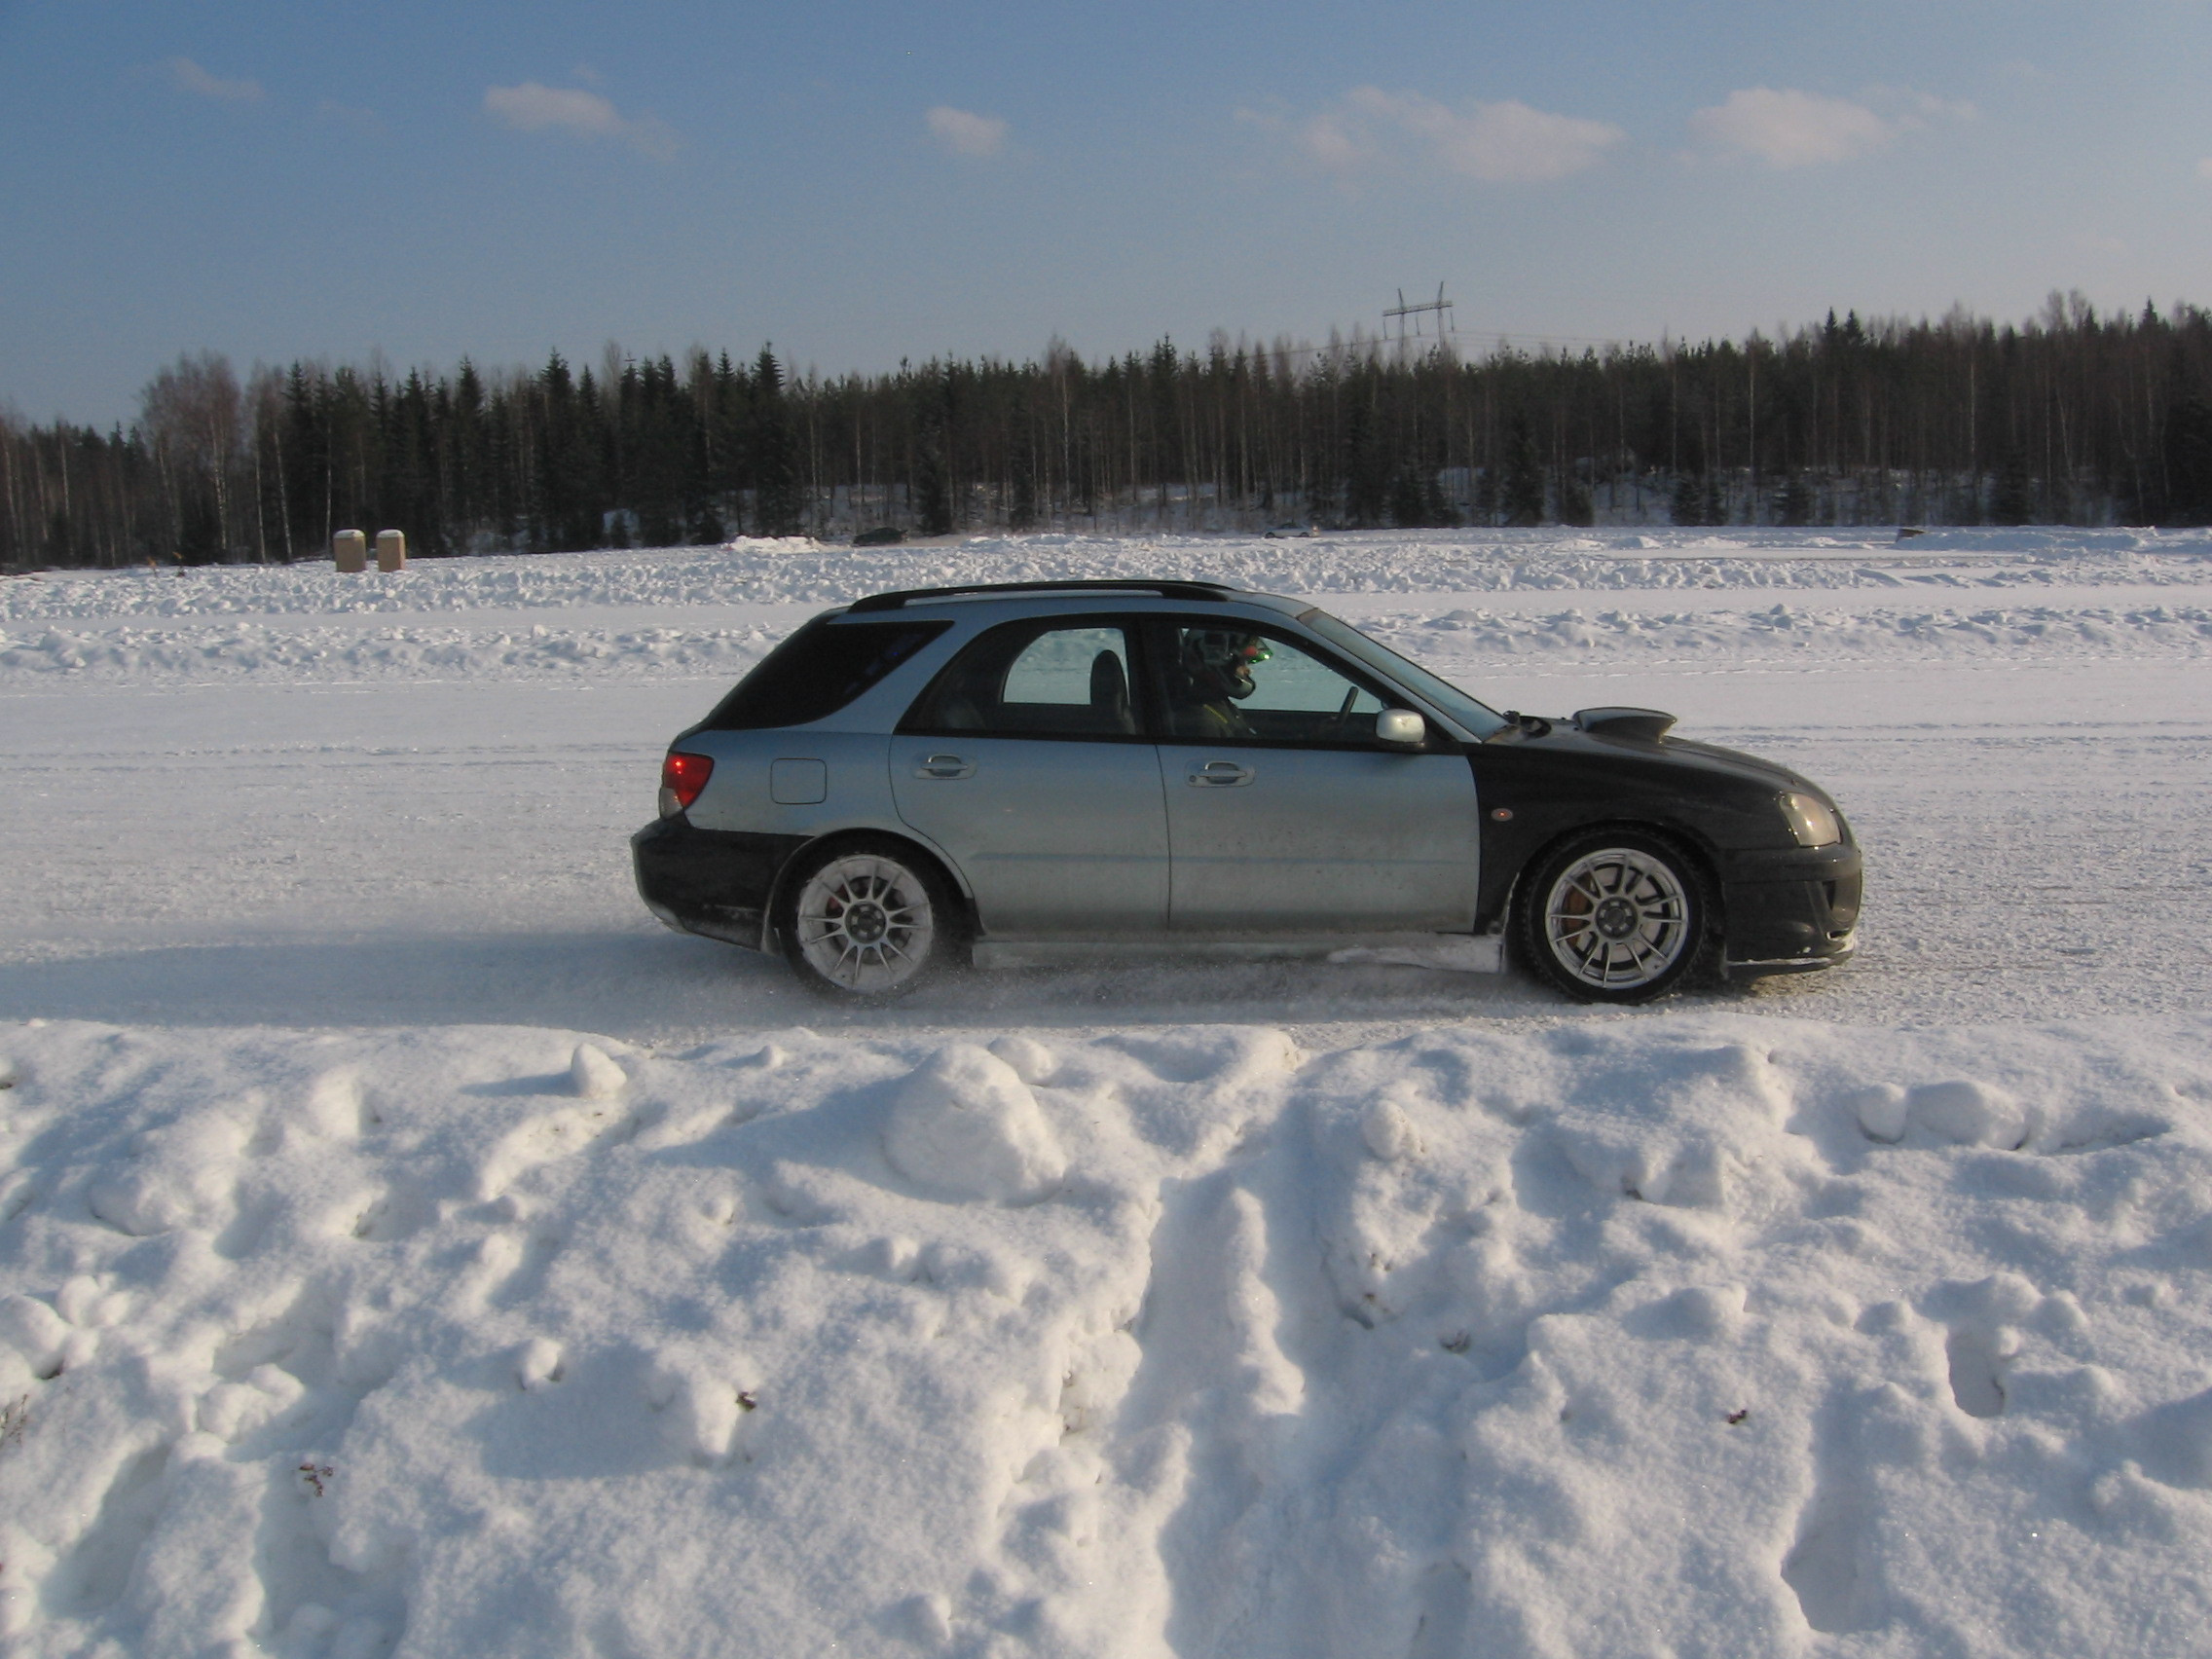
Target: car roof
1049 598
1166 589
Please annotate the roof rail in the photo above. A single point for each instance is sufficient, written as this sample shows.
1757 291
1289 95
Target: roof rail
1211 592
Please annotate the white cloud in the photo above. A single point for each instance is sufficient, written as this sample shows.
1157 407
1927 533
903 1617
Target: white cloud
1918 111
1503 143
1334 145
534 108
1790 129
188 77
963 133
2204 167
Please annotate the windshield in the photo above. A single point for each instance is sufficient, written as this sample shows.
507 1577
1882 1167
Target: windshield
1446 697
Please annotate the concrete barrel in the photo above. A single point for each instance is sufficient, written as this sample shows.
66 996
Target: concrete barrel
392 550
350 550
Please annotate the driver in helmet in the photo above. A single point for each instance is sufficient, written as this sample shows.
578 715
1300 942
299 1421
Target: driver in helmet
1216 674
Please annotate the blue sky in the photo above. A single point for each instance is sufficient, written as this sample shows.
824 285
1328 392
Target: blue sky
860 182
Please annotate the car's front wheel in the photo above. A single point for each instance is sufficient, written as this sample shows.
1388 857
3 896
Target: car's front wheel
1616 916
868 919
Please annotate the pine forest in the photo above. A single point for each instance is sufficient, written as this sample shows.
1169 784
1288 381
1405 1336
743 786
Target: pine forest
2071 417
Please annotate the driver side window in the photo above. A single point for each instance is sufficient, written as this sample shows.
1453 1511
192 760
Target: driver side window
1236 683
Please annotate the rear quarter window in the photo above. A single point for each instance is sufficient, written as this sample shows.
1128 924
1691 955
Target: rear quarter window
819 670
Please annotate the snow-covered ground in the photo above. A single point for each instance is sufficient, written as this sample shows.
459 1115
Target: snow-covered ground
406 1245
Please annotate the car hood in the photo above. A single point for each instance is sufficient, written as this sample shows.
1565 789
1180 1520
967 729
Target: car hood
1738 763
1676 753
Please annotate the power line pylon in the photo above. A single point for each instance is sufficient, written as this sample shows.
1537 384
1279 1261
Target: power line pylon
1401 312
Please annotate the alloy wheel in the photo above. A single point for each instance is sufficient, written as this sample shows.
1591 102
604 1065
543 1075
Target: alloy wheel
1617 919
865 924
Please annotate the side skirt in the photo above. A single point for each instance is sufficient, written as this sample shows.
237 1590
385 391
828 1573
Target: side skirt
1464 953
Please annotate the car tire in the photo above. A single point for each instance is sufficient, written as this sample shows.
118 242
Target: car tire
1616 916
869 919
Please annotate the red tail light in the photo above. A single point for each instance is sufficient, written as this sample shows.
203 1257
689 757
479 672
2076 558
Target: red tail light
682 777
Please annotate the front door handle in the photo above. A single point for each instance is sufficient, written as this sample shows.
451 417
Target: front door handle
1219 775
945 766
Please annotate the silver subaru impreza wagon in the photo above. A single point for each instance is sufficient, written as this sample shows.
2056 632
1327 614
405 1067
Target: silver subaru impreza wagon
921 780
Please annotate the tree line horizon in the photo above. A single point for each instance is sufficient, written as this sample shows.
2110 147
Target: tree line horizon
2071 417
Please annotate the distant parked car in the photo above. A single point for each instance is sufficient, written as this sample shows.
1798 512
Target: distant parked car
917 777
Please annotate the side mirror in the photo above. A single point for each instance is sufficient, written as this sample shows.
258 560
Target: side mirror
1400 728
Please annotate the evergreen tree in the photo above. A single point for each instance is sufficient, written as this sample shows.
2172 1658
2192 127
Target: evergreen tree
1021 503
1523 488
933 494
2187 464
1689 500
503 469
1797 501
933 409
563 465
1408 509
1417 501
1367 478
777 509
306 458
466 446
595 448
1438 513
725 438
695 402
1574 505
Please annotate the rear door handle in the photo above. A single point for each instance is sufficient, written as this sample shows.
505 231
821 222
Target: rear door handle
1219 775
945 766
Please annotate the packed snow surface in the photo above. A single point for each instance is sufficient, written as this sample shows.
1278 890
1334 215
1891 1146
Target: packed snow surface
408 1248
1716 1335
1975 593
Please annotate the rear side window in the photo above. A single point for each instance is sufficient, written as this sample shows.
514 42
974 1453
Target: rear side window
1051 678
818 671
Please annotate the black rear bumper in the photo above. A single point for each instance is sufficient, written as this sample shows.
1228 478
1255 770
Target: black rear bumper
715 882
1790 911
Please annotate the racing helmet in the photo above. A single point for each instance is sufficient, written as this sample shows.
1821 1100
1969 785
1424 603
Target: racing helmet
1218 660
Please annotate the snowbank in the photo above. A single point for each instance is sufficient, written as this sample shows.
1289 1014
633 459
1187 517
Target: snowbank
1783 633
674 612
1690 1333
799 572
1779 634
254 652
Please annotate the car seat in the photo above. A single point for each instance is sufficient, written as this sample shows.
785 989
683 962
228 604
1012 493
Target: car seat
1110 693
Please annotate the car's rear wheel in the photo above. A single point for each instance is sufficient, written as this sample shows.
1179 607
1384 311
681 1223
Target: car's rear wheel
1616 916
869 919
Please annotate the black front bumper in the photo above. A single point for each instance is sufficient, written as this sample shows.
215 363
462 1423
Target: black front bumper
1790 911
713 882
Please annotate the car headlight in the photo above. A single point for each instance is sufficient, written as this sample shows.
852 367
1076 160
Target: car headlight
1811 819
